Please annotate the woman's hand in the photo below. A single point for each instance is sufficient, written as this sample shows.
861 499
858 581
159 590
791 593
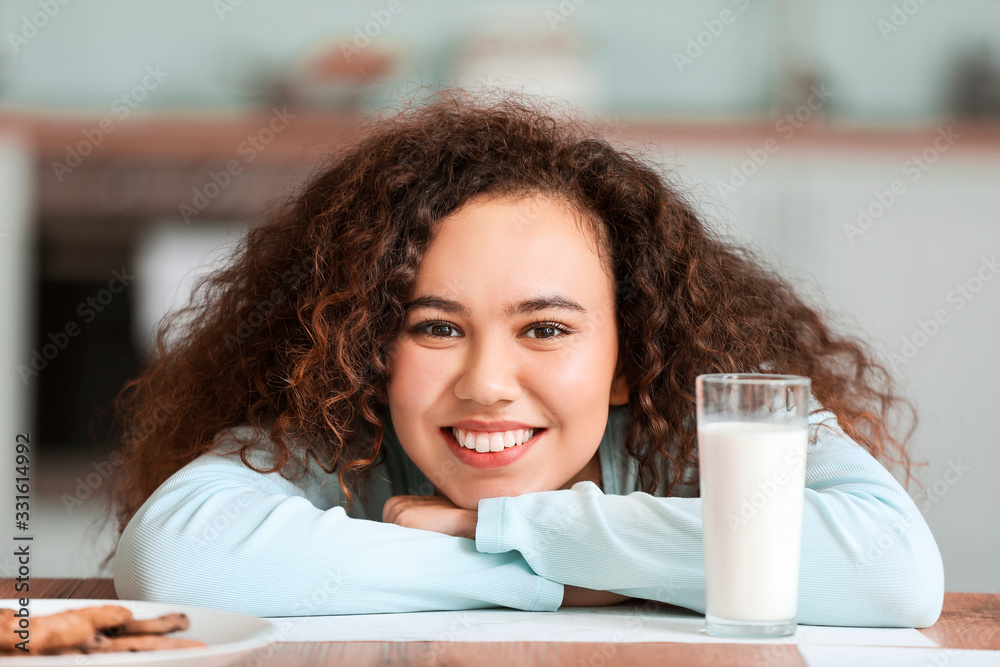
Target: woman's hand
435 513
574 596
440 515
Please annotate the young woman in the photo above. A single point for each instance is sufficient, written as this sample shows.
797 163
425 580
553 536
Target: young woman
457 371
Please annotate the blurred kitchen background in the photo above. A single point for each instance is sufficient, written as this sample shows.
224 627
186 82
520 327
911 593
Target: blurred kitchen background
854 143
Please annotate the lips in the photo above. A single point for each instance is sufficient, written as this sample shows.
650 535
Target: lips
492 441
476 425
490 459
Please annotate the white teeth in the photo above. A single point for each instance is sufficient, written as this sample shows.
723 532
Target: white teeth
493 441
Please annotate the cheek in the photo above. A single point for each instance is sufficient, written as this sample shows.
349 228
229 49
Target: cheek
580 370
414 376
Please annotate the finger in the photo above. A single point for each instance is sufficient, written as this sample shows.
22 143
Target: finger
390 509
393 507
107 616
153 626
59 630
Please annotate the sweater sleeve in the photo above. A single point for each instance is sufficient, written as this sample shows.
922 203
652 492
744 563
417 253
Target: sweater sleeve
868 557
218 534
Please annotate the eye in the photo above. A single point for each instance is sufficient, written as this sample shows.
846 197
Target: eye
422 329
552 326
433 324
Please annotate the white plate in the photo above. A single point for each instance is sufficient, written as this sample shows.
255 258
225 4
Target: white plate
229 636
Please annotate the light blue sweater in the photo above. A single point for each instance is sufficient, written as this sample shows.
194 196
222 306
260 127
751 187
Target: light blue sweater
220 535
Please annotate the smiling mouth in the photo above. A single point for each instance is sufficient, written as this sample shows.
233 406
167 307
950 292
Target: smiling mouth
492 442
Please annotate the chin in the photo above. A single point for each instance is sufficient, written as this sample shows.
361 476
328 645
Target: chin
462 501
468 504
470 500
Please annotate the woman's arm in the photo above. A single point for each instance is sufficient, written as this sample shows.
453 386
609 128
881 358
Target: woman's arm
868 557
220 535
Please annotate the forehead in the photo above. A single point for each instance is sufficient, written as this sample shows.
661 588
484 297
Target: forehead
508 246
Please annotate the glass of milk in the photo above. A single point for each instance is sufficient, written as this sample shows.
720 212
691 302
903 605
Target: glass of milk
752 432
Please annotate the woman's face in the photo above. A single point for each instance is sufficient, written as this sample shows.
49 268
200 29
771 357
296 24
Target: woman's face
495 269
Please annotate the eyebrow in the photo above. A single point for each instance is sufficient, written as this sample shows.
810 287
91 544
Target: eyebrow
526 307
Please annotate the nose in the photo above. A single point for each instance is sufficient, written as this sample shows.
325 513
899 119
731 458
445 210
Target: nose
489 372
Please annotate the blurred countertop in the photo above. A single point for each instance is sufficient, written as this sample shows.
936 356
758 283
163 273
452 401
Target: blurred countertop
310 135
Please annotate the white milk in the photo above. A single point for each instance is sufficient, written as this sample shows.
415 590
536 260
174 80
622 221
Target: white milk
752 480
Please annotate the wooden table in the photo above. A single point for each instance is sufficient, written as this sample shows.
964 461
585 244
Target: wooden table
969 621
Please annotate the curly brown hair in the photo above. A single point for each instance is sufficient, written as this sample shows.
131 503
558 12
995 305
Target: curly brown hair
294 336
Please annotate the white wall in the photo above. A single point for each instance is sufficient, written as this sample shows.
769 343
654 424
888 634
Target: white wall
169 261
90 53
900 272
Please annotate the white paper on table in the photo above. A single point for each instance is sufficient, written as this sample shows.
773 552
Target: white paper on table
626 622
871 656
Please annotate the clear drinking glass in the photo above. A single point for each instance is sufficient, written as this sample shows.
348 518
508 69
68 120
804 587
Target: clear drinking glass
752 433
